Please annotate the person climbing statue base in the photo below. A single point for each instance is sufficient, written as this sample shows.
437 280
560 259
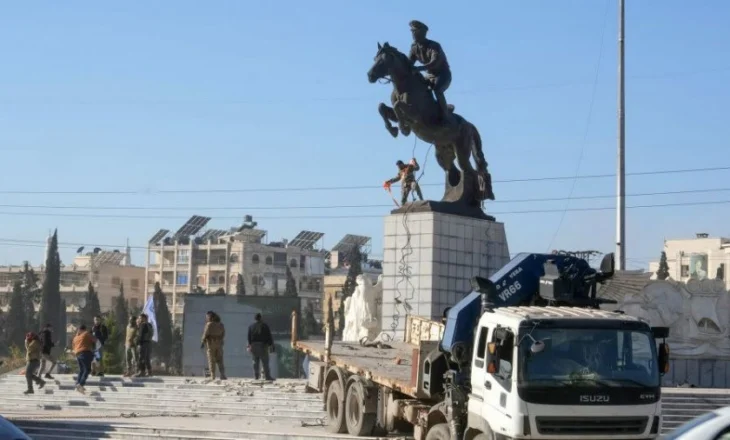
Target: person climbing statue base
407 177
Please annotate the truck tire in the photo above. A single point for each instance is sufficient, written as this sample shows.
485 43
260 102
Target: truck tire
358 422
439 432
336 408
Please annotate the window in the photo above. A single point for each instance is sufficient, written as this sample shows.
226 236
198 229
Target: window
234 258
183 256
116 281
269 261
221 279
255 259
293 263
280 259
182 278
505 348
685 270
200 281
134 284
481 348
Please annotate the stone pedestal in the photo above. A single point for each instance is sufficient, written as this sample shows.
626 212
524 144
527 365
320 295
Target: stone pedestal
429 260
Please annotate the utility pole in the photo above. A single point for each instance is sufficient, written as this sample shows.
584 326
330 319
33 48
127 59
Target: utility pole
621 162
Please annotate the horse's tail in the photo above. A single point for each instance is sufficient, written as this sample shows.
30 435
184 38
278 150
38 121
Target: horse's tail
476 149
485 179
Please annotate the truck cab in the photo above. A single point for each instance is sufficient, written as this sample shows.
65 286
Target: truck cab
564 373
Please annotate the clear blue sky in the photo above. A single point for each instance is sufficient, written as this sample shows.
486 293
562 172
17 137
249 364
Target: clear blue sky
235 95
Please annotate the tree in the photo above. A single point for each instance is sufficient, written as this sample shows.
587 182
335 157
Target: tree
91 306
120 308
240 285
51 290
29 285
720 274
663 272
310 324
112 361
354 258
291 283
176 352
16 322
163 347
61 334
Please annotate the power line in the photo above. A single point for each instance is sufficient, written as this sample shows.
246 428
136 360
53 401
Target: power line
299 217
149 191
249 208
584 142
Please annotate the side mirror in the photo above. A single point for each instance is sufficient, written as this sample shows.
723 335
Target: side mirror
492 358
660 332
608 265
663 358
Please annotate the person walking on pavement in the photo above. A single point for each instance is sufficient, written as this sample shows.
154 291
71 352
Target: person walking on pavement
130 347
46 356
213 337
101 333
144 339
33 348
259 344
83 347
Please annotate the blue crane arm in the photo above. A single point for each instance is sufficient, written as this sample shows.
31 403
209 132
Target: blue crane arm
516 283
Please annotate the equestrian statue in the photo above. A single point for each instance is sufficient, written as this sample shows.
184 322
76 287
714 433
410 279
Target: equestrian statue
431 119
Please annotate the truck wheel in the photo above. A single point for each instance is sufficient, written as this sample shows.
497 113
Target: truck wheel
439 432
358 422
336 408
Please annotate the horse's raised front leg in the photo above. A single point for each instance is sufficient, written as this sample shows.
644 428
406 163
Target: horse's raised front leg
388 114
401 113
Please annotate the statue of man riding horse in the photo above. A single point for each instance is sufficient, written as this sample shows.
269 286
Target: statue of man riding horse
433 121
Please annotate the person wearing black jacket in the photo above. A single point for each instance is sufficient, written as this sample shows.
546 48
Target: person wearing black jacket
47 345
259 344
101 333
144 338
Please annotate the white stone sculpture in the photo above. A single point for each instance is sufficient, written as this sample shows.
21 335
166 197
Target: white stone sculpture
361 321
697 314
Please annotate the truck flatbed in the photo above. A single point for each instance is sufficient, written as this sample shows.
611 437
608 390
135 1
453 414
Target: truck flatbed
391 367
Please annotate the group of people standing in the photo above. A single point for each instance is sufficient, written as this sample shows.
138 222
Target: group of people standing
88 347
260 344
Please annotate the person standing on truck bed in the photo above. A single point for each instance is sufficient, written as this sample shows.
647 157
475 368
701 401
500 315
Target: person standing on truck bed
259 344
213 335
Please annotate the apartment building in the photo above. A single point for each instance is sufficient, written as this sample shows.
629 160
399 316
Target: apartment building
210 262
699 257
105 270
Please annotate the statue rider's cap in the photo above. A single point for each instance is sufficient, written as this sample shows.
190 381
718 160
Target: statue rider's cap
417 25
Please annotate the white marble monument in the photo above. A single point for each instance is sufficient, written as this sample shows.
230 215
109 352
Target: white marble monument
429 260
697 313
361 314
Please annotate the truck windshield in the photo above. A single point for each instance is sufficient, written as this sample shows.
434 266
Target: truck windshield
588 357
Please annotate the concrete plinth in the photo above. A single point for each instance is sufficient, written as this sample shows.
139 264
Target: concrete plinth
429 260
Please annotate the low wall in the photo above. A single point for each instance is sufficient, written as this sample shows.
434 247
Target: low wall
702 373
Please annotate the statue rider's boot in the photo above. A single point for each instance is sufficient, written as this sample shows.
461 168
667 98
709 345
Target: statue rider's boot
445 113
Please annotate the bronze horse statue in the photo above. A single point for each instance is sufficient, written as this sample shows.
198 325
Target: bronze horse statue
455 139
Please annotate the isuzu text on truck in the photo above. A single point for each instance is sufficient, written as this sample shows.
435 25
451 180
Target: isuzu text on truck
527 355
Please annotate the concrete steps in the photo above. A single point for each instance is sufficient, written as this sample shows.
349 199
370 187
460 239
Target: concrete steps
165 408
680 405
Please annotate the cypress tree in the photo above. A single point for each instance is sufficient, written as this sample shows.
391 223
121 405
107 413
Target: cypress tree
291 283
16 322
163 347
91 307
120 308
29 283
51 290
240 285
663 272
355 269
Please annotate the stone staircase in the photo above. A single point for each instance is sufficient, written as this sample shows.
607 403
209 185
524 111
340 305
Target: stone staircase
680 405
193 408
165 408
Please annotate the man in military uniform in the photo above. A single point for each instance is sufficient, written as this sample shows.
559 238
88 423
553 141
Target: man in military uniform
406 176
433 60
212 340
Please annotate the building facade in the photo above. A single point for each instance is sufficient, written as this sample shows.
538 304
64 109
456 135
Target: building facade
700 257
212 263
105 270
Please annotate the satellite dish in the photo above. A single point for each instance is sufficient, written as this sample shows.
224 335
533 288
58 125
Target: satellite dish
79 250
